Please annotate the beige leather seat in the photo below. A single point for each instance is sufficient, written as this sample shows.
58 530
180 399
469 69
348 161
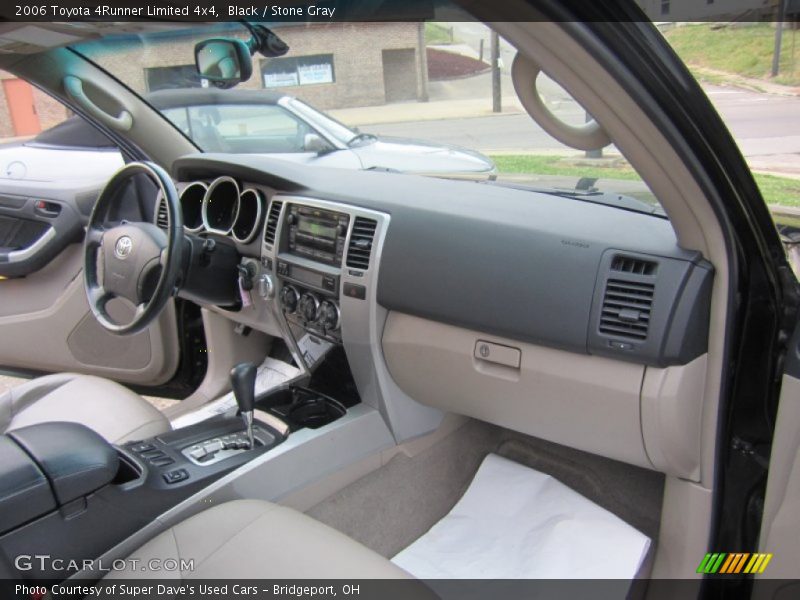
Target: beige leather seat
253 539
111 410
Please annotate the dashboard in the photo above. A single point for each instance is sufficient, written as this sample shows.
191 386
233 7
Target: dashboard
556 317
542 269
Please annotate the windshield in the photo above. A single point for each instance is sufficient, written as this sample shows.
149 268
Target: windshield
405 97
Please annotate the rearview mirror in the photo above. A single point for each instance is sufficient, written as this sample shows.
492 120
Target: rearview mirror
223 62
314 143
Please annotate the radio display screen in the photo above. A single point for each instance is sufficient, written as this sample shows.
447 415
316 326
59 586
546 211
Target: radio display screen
317 228
308 277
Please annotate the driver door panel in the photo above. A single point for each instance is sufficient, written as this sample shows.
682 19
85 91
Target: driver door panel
45 322
46 326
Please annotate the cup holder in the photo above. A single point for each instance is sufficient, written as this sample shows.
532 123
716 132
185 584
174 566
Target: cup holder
301 407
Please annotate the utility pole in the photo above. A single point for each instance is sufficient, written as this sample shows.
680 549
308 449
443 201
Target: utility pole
422 65
496 95
776 56
598 153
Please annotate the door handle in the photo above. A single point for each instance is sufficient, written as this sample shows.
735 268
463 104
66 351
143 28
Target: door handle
16 256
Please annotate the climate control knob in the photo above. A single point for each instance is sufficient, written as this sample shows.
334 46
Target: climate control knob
308 307
289 299
329 316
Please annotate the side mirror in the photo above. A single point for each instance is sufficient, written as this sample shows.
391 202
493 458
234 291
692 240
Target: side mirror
314 143
223 62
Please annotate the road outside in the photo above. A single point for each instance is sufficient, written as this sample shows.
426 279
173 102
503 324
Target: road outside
766 125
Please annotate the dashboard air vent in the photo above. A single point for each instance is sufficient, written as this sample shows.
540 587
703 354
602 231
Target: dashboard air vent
272 221
162 216
637 266
360 248
626 309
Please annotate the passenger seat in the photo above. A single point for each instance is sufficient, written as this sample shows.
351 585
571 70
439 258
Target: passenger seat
254 539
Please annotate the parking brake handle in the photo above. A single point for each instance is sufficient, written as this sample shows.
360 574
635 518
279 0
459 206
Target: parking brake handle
243 382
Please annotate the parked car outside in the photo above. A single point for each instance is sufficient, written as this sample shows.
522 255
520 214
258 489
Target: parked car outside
241 121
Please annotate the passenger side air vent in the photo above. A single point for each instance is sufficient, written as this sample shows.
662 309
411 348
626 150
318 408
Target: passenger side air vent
360 248
162 216
636 266
272 221
626 308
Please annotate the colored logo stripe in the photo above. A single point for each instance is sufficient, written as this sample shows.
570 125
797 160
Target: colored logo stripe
733 563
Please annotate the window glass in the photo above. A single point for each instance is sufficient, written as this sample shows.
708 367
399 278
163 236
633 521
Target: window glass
42 140
240 128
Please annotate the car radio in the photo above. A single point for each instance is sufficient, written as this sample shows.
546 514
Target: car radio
317 234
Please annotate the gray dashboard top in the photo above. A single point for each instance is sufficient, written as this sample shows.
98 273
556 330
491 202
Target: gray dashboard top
515 263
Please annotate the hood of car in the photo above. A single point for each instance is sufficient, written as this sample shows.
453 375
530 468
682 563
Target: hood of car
42 163
416 156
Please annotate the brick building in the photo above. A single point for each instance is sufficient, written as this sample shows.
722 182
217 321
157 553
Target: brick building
333 65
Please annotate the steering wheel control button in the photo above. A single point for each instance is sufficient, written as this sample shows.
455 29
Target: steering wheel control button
176 476
353 290
498 354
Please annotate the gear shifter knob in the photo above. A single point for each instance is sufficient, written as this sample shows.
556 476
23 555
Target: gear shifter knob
243 382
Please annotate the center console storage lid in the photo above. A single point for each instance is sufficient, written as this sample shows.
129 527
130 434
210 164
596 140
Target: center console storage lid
24 491
75 459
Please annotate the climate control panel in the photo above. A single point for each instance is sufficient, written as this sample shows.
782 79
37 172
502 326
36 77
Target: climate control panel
315 312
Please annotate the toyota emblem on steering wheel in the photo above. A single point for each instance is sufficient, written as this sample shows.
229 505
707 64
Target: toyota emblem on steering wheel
123 246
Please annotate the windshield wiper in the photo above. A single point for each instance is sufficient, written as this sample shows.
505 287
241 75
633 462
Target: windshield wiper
361 137
590 195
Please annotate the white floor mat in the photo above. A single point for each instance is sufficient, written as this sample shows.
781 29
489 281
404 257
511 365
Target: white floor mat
517 523
270 374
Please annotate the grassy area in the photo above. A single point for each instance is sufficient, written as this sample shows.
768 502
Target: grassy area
776 190
744 50
436 33
554 165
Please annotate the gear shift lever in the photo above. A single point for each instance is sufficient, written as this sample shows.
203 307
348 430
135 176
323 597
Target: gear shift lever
243 382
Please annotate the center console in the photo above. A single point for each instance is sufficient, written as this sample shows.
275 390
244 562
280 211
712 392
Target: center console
309 269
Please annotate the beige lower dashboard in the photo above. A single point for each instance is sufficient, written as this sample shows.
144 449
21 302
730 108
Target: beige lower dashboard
586 402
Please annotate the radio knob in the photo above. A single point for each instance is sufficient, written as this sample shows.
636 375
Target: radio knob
289 298
292 218
329 316
341 229
309 307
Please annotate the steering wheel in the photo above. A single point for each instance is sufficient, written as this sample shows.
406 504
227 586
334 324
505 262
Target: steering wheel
138 261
